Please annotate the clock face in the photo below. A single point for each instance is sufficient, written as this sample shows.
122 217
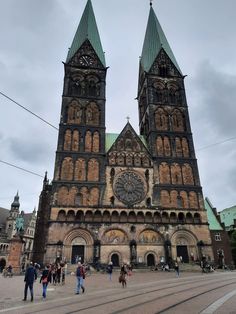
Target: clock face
129 187
86 60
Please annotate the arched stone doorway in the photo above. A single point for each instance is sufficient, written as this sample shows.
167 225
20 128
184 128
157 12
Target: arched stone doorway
78 246
115 260
78 249
150 259
2 264
183 244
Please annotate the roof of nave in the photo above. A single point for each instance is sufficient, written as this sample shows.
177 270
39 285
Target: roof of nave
4 213
27 218
229 209
111 138
87 30
154 41
214 224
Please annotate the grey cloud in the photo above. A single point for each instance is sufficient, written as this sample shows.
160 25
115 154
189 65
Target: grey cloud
217 95
26 150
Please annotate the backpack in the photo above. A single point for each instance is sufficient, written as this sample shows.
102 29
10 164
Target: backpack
78 272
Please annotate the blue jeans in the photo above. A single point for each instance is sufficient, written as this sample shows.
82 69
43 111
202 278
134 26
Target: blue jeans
45 285
80 283
30 286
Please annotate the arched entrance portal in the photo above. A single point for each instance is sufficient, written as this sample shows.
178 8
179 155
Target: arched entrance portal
182 250
115 260
150 260
78 245
2 264
78 248
183 244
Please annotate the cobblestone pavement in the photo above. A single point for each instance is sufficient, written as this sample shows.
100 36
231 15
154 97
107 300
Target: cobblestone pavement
146 292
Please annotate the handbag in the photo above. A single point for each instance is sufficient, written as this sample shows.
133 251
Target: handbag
45 280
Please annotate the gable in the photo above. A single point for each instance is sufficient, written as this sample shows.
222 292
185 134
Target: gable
127 149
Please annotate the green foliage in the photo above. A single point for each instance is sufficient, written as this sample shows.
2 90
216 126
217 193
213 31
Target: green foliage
233 245
233 238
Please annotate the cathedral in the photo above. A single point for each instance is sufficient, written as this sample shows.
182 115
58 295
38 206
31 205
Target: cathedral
126 197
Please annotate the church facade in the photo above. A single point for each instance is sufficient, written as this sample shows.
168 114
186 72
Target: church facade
125 197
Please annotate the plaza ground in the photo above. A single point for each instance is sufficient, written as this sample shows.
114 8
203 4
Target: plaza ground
146 292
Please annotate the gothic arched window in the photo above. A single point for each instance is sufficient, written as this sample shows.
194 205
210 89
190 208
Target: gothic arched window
76 87
92 88
85 196
159 146
176 175
62 197
67 140
80 170
161 119
167 149
177 120
178 147
92 114
74 113
94 196
188 174
93 170
164 173
193 200
75 140
67 169
88 141
96 142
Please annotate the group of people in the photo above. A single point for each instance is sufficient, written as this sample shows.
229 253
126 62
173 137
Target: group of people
166 266
125 271
7 271
52 273
55 273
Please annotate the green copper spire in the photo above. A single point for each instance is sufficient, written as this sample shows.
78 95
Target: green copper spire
155 39
87 29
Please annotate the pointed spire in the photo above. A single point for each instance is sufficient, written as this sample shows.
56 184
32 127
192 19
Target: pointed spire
87 29
45 180
155 39
16 203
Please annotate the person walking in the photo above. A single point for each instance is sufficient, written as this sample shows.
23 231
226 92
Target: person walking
176 266
122 277
80 275
45 279
30 277
110 269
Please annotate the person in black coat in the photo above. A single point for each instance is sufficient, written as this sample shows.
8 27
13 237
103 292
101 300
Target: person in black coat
45 279
30 277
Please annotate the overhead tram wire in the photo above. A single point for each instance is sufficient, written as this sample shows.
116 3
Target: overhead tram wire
26 109
217 143
20 168
51 125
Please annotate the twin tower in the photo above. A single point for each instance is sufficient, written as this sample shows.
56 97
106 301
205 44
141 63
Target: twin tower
122 197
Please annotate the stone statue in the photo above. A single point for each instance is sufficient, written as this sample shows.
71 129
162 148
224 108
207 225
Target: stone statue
19 224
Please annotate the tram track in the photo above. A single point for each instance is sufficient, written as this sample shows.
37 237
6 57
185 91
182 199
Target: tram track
142 291
170 294
191 298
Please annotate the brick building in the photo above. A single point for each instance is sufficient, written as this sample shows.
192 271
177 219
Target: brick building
219 236
122 197
8 230
228 217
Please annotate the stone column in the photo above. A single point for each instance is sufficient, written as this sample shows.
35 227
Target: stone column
15 253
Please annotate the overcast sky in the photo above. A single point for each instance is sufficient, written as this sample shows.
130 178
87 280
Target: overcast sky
34 39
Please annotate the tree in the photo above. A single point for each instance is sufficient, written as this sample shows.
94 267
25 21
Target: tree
233 245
